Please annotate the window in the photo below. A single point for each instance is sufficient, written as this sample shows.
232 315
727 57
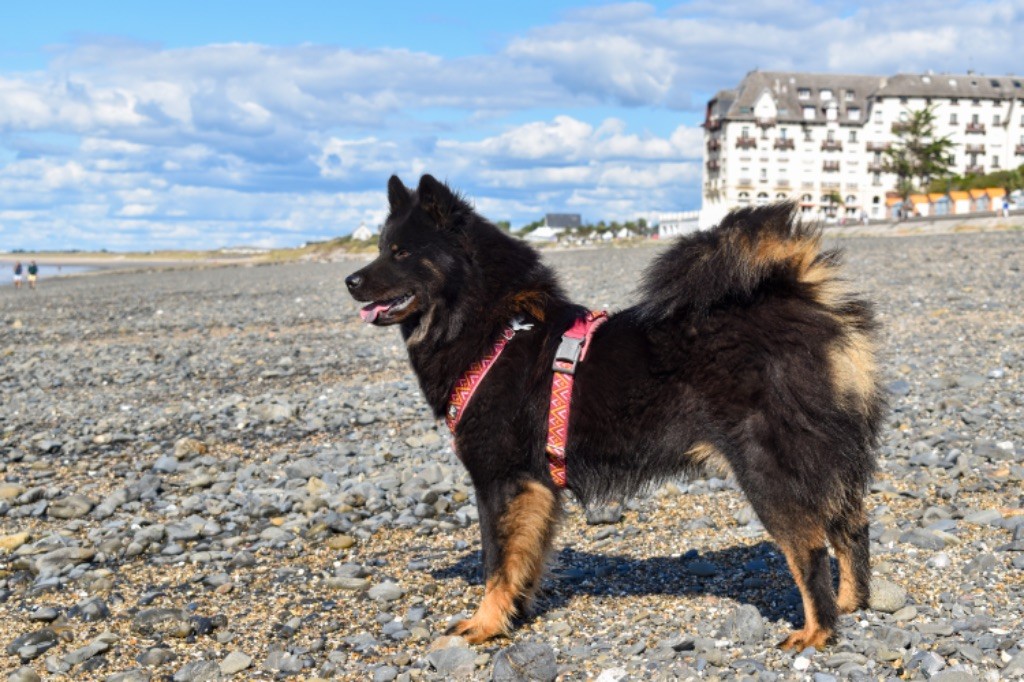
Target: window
744 197
808 113
744 132
953 100
974 119
782 133
994 83
764 175
853 113
807 199
995 162
830 113
781 196
952 159
996 120
804 93
849 95
831 136
876 179
853 136
976 102
826 94
903 100
952 119
904 116
926 79
762 199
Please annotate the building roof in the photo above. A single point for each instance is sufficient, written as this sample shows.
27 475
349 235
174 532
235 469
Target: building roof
959 195
996 192
918 198
967 86
977 193
936 196
567 220
792 92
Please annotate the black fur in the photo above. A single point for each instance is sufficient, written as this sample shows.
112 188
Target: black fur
743 346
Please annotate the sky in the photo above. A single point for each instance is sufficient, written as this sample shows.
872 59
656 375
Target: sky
134 126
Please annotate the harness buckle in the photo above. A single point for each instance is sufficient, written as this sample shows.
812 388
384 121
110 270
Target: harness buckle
568 355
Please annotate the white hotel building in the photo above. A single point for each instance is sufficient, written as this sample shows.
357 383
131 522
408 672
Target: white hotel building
808 137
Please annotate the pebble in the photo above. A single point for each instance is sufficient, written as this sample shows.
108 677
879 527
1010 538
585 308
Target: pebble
235 662
886 596
524 661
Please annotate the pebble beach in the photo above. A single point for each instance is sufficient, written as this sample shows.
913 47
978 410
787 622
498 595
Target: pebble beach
222 473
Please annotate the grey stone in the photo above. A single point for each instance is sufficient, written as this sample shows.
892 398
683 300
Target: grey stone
453 661
886 596
525 661
133 675
609 513
235 662
385 673
198 671
703 569
33 644
71 507
82 654
746 625
24 674
385 591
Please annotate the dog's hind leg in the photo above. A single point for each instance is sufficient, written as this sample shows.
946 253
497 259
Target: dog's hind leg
848 535
525 530
807 557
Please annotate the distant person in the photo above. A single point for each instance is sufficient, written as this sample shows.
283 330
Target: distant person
17 275
1006 207
33 274
864 217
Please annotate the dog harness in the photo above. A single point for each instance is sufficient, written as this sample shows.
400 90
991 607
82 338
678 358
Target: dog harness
571 351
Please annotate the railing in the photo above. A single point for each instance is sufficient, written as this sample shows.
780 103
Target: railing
766 122
782 184
713 124
851 187
975 170
832 146
875 167
900 127
784 143
746 143
713 165
830 166
830 185
714 145
975 128
974 148
745 182
807 185
1019 150
877 146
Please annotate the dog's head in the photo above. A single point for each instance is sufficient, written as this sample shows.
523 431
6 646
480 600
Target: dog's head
419 254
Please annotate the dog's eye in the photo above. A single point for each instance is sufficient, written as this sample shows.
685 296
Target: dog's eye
401 253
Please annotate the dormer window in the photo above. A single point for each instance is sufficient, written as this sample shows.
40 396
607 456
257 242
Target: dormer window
849 95
853 113
803 93
825 94
808 113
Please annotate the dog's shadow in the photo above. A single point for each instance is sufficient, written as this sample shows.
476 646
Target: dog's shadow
755 574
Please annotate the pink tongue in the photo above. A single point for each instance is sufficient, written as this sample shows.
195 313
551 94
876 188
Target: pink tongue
369 313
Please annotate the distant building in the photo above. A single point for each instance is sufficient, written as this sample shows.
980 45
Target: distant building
565 221
677 223
813 138
362 233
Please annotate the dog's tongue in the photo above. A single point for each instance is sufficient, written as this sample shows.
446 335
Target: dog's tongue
370 312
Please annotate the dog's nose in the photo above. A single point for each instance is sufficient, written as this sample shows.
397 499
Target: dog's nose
353 281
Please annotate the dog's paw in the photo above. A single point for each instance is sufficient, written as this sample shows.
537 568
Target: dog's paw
474 631
801 639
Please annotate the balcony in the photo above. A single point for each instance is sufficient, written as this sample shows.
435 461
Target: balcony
851 187
1019 150
975 128
746 143
877 146
782 184
766 122
876 167
900 127
831 146
713 124
830 166
713 165
784 143
974 148
975 170
745 182
714 145
830 185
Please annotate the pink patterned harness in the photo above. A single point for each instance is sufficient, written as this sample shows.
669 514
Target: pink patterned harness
571 351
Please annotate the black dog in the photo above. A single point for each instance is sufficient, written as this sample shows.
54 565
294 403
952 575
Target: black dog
745 351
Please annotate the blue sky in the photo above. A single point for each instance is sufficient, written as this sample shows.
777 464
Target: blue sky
134 126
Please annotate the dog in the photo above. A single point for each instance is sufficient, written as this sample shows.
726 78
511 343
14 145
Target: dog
746 351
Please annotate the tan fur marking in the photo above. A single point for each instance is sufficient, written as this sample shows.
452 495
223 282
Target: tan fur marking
530 302
526 530
812 633
848 598
800 252
853 369
707 455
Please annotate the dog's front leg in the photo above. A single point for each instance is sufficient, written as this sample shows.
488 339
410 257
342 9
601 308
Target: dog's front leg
516 539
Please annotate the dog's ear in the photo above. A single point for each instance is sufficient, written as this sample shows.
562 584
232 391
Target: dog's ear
436 200
398 195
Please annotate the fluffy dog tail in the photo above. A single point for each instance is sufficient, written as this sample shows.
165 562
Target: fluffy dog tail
751 248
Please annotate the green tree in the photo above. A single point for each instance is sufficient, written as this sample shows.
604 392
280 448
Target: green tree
919 156
504 225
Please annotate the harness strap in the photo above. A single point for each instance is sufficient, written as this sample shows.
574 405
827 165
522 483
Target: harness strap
467 384
571 351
